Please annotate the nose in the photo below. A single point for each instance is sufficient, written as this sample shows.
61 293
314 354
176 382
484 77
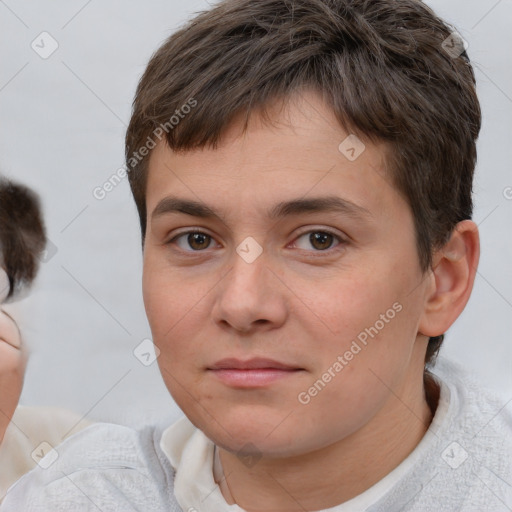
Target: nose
250 297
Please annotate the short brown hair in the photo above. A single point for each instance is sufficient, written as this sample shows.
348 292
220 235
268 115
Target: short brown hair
383 66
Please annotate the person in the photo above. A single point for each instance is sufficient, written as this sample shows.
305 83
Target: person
303 173
27 434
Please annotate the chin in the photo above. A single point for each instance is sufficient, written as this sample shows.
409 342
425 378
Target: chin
242 431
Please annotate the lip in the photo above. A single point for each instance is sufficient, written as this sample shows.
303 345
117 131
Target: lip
256 363
257 372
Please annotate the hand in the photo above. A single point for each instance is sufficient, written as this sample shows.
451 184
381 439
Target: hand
12 369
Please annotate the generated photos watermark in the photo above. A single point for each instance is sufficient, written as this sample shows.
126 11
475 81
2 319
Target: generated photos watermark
357 345
101 191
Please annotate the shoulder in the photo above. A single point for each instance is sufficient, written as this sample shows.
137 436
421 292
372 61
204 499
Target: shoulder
31 428
464 461
476 409
113 467
34 425
473 462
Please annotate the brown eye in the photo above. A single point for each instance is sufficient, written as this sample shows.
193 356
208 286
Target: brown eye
198 241
192 241
321 240
318 240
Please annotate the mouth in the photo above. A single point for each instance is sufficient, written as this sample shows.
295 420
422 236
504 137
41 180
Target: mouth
253 373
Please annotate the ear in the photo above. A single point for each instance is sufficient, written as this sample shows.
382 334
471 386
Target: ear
454 269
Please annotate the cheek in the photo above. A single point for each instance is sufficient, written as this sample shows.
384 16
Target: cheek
177 310
344 307
369 322
170 295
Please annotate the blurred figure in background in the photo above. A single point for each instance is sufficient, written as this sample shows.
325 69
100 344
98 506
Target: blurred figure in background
27 434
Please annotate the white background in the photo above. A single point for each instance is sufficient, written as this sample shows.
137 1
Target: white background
62 127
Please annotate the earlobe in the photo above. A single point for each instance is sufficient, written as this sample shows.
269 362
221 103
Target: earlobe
454 271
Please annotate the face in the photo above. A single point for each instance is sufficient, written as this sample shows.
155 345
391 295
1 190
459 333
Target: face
285 299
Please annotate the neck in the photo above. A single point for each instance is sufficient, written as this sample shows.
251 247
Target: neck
336 473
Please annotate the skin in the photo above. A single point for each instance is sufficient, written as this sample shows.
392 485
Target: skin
12 368
297 304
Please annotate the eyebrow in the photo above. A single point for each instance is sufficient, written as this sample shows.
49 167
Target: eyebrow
283 209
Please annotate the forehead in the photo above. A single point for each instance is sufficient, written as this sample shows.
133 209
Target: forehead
302 153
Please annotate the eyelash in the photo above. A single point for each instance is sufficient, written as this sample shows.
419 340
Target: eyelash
341 241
